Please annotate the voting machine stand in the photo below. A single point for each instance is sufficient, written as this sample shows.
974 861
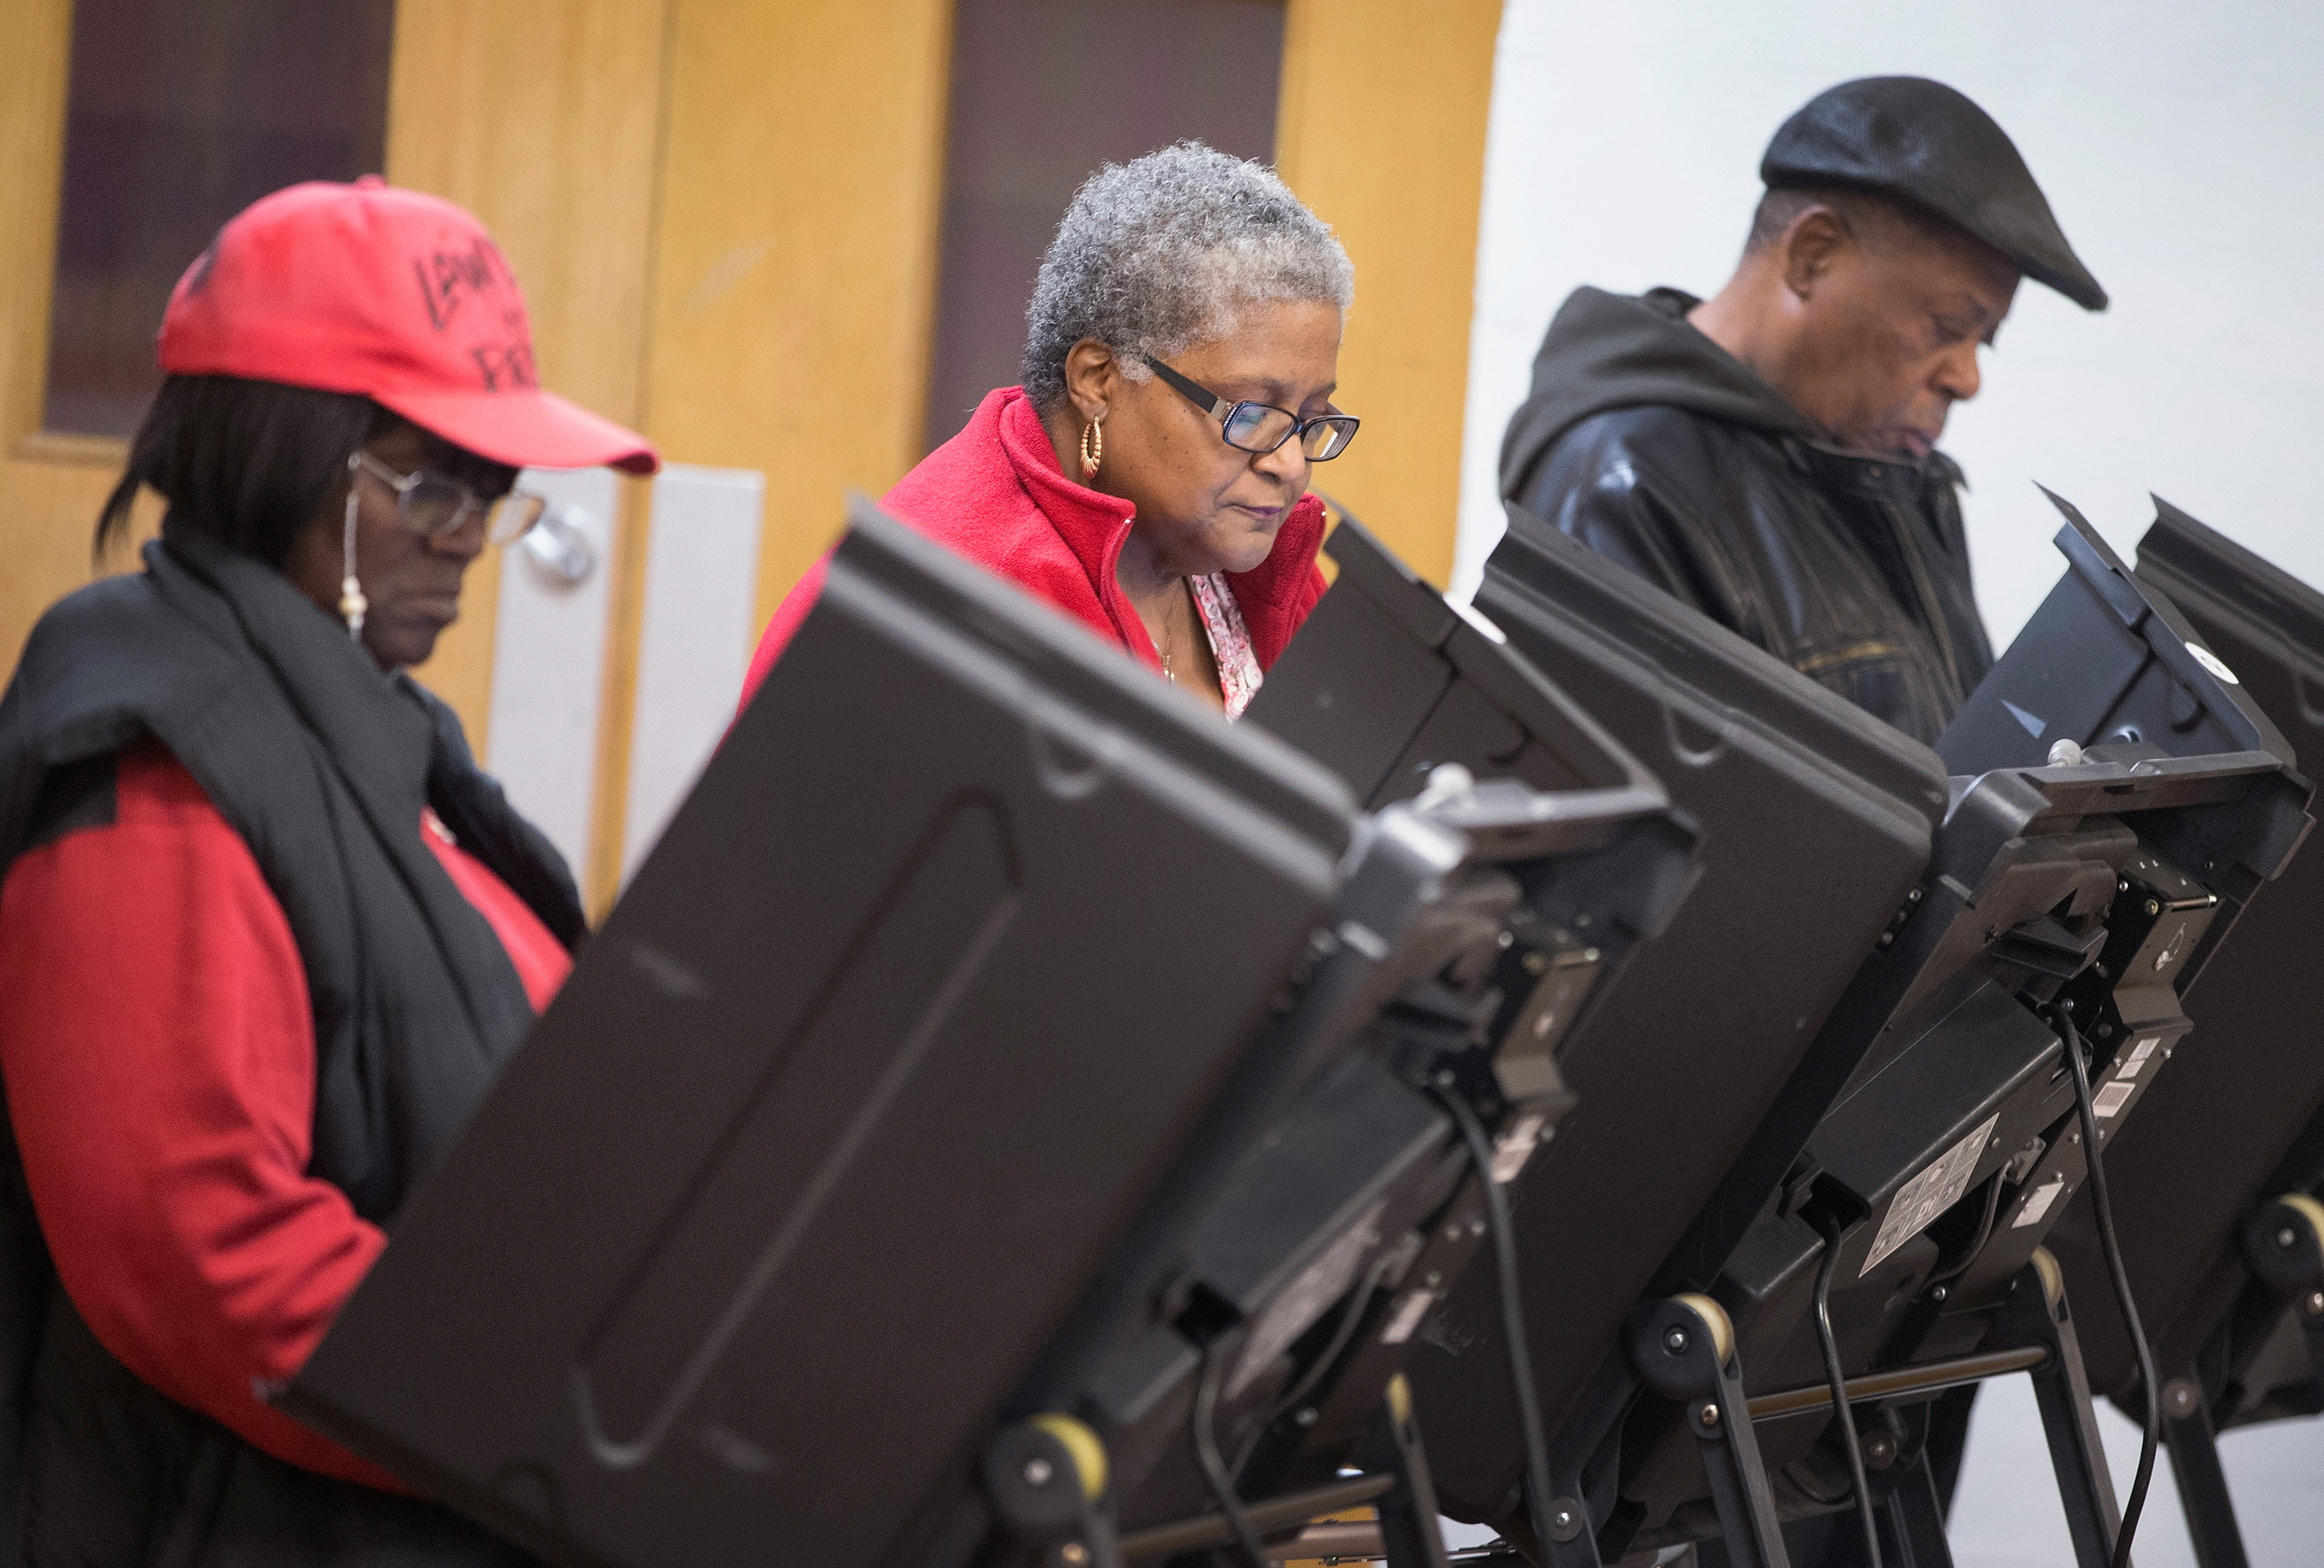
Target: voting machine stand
2215 1184
1265 1378
1001 1074
1402 695
2118 799
1367 1198
1889 1125
1816 822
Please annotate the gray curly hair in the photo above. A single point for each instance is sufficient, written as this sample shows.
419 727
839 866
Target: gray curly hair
1167 250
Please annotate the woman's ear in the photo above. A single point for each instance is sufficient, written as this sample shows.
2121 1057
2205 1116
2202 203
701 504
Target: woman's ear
1093 376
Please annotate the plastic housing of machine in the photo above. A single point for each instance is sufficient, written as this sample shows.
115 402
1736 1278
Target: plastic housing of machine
1816 822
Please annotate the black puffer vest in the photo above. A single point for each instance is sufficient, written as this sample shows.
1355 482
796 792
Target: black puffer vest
322 765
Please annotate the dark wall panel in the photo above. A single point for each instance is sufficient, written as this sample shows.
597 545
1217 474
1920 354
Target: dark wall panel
1045 91
180 116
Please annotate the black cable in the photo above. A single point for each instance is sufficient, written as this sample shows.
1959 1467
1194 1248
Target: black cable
1206 1454
1505 1264
1984 1235
1838 1380
2111 1247
1341 1334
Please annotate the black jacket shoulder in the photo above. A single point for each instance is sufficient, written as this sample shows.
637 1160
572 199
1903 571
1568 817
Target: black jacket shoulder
1853 569
1644 486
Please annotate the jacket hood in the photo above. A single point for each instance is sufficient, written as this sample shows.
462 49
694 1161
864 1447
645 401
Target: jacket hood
1619 351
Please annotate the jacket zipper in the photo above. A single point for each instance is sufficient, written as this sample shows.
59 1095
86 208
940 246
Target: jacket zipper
1854 653
1929 606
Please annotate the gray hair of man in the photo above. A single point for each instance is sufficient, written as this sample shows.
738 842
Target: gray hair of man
1167 250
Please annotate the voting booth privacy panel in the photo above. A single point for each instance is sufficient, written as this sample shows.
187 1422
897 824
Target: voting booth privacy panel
2118 801
2217 1126
781 1105
1393 687
2098 886
2215 1181
1015 1116
1002 1074
1816 821
1388 680
1913 1158
1575 860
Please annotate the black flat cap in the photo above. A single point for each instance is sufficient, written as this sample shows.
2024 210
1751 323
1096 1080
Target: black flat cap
1910 137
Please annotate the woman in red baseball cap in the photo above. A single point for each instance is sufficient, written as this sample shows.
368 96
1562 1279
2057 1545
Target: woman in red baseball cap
267 933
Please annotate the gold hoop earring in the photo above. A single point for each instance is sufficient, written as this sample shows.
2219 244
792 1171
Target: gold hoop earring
1092 449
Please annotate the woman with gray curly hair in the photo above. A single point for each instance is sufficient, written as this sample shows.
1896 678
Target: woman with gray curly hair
1150 475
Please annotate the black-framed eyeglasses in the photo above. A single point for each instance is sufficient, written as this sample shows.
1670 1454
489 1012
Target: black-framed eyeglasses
1262 426
433 505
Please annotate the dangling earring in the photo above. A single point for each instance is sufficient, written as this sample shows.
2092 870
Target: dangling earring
1092 449
352 603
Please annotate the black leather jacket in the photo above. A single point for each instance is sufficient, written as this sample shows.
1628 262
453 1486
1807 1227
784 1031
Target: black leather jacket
1647 442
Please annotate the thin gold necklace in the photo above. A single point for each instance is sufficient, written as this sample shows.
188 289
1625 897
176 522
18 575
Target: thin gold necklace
1162 643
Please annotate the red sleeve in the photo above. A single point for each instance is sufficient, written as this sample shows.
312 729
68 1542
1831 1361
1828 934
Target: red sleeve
784 627
158 1049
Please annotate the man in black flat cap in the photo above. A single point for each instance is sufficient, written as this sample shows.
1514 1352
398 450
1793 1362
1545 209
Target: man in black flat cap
1770 453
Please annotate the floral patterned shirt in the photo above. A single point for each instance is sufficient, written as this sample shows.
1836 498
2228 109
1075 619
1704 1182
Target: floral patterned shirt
1238 673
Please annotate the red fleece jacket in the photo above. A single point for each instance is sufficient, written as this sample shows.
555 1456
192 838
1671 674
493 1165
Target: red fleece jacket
159 1048
995 493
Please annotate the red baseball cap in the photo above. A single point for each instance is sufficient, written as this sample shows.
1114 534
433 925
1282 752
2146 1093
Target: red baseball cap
398 295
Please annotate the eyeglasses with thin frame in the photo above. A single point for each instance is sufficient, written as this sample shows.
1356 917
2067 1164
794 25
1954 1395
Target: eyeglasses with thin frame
434 505
1262 426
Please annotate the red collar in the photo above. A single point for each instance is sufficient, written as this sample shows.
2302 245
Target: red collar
1273 596
1093 524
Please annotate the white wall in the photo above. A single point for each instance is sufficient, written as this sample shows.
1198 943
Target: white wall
2182 147
2006 1513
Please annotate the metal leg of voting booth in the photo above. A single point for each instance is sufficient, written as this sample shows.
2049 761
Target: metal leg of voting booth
2283 1246
1906 1514
1395 1484
2034 1334
1684 1348
2035 1316
2194 1450
1912 1523
1410 1536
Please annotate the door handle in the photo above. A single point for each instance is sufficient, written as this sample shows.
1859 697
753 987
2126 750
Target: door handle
559 548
